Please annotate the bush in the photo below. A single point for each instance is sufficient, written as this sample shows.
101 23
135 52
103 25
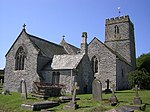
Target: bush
139 77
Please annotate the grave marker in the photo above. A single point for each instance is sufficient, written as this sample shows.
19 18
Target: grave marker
23 89
97 90
37 106
113 99
137 100
107 90
73 104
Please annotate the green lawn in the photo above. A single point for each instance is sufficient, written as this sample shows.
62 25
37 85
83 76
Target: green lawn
12 103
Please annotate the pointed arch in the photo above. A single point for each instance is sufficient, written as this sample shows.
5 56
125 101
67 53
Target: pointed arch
20 59
95 63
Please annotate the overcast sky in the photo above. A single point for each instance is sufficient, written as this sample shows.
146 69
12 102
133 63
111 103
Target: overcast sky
51 19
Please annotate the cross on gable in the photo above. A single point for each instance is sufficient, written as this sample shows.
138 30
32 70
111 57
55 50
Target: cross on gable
63 36
24 26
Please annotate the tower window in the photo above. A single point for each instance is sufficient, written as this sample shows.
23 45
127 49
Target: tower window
116 29
55 77
19 59
95 64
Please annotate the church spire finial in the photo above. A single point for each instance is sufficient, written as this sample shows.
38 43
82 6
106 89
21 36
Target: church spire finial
24 26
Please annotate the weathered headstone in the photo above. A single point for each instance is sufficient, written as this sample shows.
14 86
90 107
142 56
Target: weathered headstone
73 104
23 89
107 90
113 99
137 100
97 90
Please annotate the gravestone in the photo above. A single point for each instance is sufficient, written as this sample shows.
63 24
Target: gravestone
23 89
137 100
107 90
64 99
97 90
37 106
72 105
113 99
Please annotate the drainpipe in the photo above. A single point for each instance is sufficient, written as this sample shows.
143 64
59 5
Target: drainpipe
71 80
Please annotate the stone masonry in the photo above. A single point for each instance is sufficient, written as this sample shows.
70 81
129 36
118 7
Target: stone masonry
65 64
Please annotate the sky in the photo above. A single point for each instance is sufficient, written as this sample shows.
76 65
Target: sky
51 19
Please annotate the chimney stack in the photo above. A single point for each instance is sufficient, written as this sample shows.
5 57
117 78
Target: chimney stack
84 47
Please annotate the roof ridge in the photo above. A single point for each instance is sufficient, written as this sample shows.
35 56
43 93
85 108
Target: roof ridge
68 43
43 39
114 52
72 45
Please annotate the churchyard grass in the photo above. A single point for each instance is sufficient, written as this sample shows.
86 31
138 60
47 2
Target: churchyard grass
12 103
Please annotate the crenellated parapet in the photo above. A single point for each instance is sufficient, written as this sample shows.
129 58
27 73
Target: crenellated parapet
118 20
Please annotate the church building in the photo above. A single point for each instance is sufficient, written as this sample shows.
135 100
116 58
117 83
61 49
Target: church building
37 60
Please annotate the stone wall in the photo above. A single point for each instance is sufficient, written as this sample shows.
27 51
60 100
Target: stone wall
13 77
123 69
65 78
84 75
106 62
122 42
122 47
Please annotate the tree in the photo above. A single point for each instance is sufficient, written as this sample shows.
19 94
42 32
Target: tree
143 61
141 75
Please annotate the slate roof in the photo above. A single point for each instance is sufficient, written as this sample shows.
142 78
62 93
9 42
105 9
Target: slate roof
115 53
66 61
69 48
47 48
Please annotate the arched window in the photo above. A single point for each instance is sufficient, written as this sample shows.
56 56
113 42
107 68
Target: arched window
95 64
19 59
55 77
116 30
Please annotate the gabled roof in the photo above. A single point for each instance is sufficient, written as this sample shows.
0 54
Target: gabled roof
47 48
69 48
15 42
115 53
66 61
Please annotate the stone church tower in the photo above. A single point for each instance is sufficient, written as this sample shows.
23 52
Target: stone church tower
119 36
115 58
